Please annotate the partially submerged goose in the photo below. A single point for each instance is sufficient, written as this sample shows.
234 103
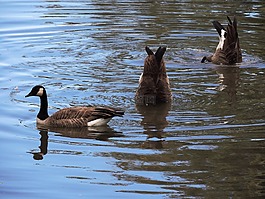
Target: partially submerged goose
228 51
153 83
73 116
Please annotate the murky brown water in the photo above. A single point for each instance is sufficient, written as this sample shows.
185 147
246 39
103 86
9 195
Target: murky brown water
208 144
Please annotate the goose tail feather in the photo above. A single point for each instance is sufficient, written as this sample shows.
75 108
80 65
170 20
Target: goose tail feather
218 27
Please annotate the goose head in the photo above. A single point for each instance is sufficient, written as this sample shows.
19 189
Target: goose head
37 91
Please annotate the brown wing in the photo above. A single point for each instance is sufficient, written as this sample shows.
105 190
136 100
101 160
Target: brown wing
237 46
163 89
73 112
229 48
80 116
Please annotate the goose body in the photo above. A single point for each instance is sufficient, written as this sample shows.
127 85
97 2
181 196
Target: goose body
228 50
153 83
73 116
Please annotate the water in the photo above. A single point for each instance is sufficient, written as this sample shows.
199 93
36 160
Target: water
208 144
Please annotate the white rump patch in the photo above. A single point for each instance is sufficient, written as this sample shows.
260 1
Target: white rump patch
140 79
167 80
222 40
98 122
40 92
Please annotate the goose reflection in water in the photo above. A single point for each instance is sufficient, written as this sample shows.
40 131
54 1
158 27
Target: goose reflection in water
97 133
228 81
102 133
43 146
154 122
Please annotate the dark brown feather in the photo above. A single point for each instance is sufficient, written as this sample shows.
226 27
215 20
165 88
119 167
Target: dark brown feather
154 84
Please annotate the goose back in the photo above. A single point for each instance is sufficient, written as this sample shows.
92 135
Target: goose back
153 83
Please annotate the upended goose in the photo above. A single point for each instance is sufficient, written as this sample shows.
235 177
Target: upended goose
228 51
153 83
73 116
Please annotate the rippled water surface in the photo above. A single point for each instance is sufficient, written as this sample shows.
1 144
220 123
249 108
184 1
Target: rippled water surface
209 143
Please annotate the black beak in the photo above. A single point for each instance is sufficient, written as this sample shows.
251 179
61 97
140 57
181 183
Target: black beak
28 95
203 59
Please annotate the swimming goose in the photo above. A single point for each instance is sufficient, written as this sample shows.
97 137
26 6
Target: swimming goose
73 116
153 83
228 51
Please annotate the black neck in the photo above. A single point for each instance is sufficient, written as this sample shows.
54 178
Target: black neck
43 113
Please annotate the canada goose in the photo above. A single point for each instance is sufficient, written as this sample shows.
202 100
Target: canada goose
153 83
228 51
73 116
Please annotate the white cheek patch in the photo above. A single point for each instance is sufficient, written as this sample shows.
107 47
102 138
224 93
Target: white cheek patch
222 40
40 92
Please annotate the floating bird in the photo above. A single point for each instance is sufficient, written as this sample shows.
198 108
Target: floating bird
228 51
153 83
72 116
